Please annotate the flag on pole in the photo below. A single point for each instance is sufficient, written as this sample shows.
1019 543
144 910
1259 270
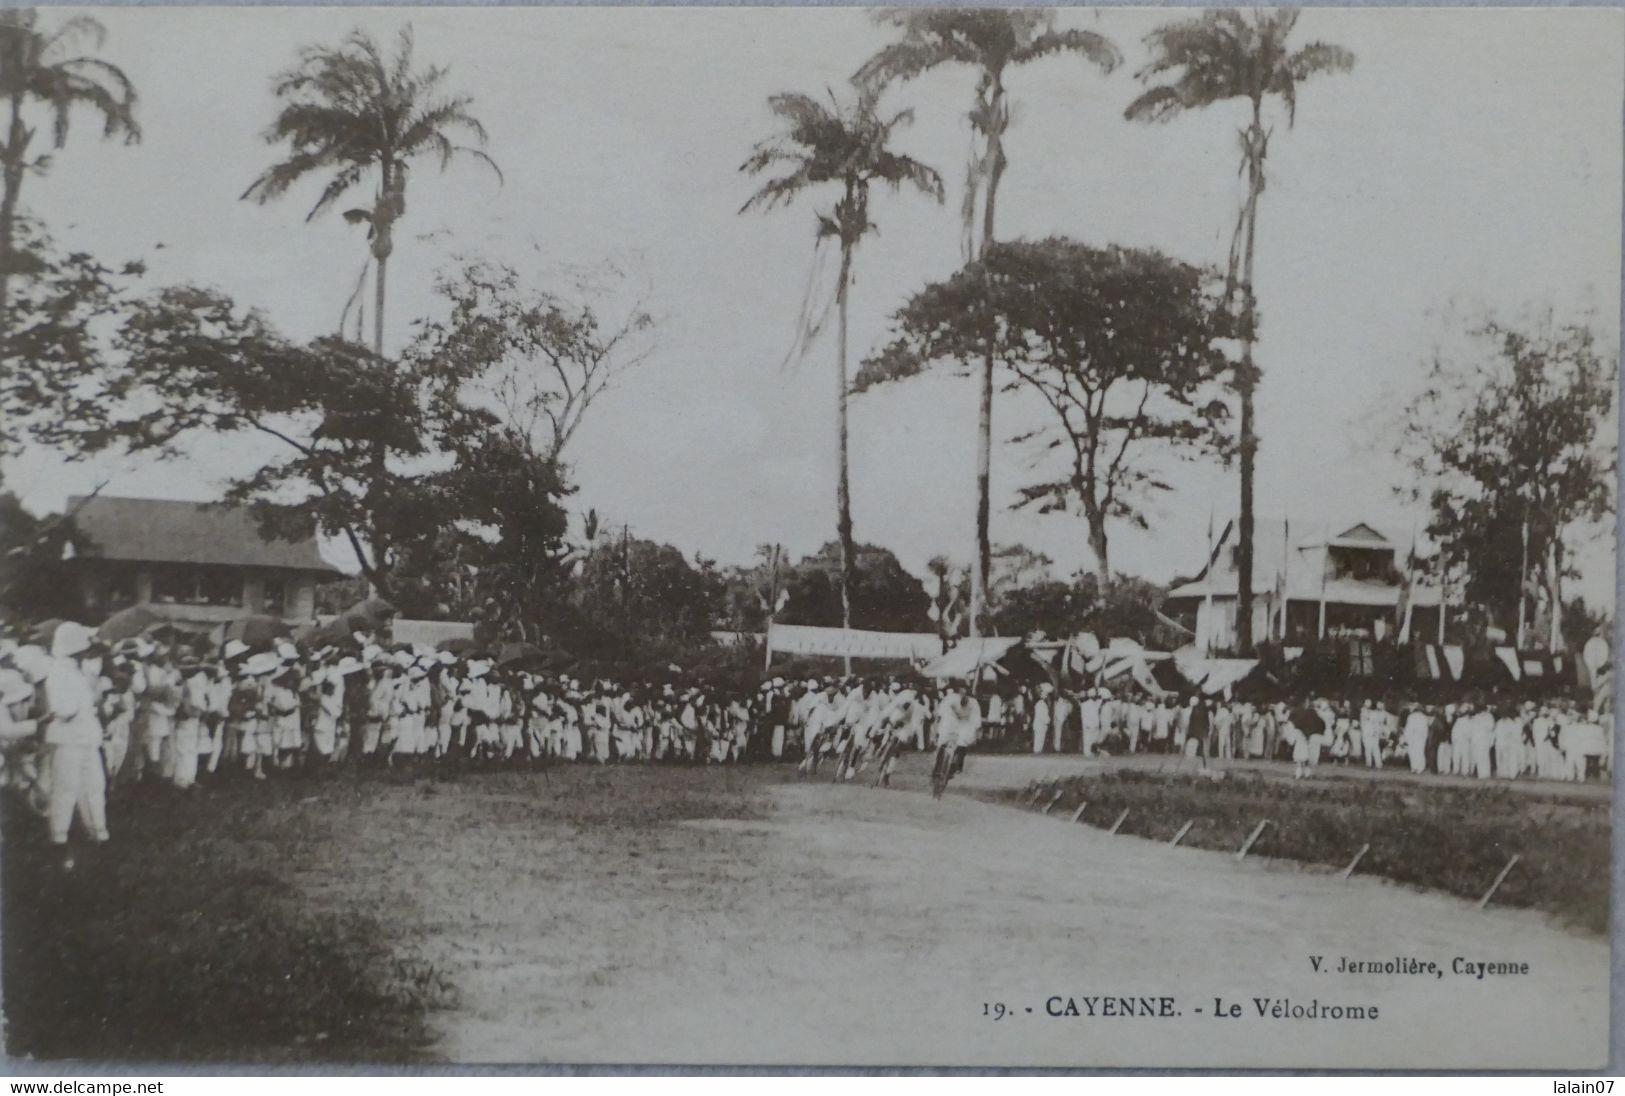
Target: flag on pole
1281 584
1325 573
1408 593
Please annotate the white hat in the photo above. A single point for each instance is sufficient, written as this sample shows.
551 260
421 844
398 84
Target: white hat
286 650
371 652
71 639
348 665
478 668
235 648
32 660
263 663
445 658
14 687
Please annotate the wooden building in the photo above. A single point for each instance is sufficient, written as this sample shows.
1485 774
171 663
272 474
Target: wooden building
198 563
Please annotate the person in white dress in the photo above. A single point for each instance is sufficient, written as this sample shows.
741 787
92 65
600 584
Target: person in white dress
1415 737
1042 718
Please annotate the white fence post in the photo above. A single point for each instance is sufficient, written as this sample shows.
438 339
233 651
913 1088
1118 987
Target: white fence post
1252 838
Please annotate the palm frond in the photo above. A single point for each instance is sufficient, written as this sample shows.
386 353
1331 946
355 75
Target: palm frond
352 108
47 66
1224 55
79 32
1097 49
1157 104
898 170
336 188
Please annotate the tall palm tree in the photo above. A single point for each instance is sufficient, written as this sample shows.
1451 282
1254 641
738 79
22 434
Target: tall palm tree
350 111
844 146
1210 58
990 41
53 68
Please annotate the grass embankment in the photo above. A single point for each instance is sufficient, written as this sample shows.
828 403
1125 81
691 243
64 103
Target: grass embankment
184 940
1445 838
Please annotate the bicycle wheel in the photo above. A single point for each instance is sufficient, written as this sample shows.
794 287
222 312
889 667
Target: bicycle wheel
939 773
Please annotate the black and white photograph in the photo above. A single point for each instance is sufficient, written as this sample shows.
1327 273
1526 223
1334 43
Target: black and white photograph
771 537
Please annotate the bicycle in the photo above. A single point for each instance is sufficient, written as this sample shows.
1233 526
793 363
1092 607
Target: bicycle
886 759
942 771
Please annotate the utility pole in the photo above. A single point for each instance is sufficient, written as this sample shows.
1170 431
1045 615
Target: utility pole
772 600
626 593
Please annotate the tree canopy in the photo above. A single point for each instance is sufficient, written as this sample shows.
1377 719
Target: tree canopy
384 454
1123 346
1515 431
538 359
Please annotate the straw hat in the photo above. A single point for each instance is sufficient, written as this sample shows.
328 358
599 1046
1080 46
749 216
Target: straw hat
71 640
235 648
263 663
14 688
32 660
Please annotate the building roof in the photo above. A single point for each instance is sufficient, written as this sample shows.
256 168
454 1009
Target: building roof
970 655
171 531
1302 565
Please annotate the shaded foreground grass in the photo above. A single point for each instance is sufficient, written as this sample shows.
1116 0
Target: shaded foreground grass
183 940
1445 838
194 935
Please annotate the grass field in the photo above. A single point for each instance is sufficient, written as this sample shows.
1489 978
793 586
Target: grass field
1450 838
652 914
195 934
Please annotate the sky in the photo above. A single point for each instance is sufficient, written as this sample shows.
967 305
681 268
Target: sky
1470 162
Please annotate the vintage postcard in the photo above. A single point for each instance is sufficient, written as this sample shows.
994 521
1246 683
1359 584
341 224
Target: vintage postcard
763 537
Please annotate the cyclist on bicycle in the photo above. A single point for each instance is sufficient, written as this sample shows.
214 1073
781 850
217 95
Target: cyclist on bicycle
959 720
896 723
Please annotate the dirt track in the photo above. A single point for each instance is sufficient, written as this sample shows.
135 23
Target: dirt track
828 925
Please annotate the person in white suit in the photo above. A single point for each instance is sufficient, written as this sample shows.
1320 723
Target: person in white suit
73 734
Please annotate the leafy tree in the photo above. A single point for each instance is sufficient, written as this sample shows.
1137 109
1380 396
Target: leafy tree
387 455
1126 608
846 147
540 359
756 595
990 41
53 69
1517 433
53 349
885 597
510 529
634 594
1122 345
1208 59
1049 606
1015 566
34 583
351 111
